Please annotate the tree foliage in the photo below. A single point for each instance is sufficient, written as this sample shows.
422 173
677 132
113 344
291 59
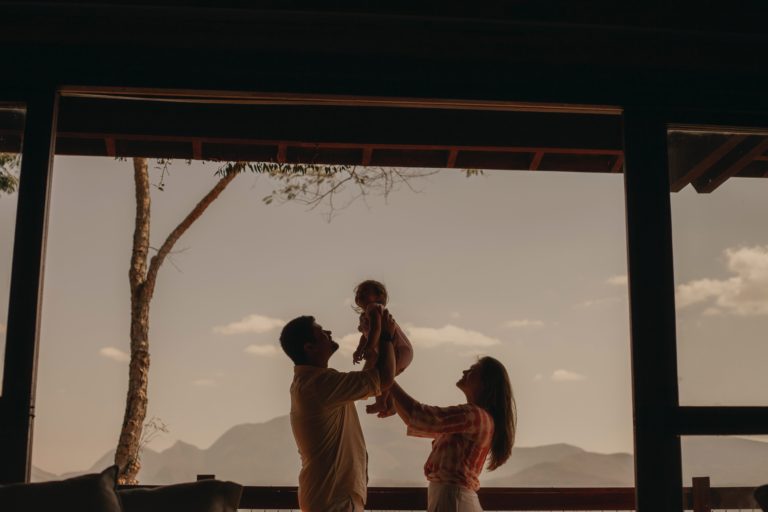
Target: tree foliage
9 169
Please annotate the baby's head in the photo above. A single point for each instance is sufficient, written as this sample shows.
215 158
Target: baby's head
370 291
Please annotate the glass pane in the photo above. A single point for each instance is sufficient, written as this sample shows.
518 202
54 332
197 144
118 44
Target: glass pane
11 133
719 212
528 267
734 466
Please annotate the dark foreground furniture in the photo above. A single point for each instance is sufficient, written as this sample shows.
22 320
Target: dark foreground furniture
98 493
761 496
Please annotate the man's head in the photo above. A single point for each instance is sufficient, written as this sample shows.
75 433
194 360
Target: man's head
305 342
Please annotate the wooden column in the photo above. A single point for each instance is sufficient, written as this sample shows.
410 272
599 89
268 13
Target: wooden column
658 469
17 409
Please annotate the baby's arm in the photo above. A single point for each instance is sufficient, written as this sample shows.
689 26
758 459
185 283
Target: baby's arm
360 350
373 313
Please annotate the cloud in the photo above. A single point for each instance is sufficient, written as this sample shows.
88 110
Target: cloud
250 324
599 302
448 335
261 350
745 294
455 315
538 377
205 383
115 354
566 376
617 280
2 328
348 343
522 324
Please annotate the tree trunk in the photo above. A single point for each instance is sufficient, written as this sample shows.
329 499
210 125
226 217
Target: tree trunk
127 452
142 280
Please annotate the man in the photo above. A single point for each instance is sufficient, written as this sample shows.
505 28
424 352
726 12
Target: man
334 462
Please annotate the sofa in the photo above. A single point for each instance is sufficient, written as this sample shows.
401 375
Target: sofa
98 492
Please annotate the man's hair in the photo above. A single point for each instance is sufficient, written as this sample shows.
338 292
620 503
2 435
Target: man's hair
294 335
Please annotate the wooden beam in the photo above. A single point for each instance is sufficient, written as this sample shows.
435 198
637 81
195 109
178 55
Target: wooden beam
453 154
618 164
677 183
340 144
722 421
357 126
367 156
702 496
197 149
708 184
109 144
658 465
282 150
536 161
23 330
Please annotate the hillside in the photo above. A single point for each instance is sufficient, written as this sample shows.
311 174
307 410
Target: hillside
265 454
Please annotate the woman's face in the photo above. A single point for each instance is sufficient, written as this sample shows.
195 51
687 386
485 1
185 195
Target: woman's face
471 382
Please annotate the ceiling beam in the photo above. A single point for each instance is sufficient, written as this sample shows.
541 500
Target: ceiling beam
678 182
708 183
536 161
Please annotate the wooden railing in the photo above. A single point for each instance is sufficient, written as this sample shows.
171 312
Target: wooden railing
699 498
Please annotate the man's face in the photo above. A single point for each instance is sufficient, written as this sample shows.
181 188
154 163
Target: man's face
323 345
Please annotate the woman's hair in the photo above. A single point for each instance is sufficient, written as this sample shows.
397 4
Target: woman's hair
374 287
497 398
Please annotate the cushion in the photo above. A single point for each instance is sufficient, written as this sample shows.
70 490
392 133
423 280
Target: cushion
202 496
761 495
94 492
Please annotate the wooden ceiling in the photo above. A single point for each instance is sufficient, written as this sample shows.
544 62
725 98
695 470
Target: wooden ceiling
536 139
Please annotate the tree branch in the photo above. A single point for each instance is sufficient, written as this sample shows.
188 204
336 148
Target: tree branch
192 216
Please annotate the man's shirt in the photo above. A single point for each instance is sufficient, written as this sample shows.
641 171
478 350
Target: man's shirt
324 420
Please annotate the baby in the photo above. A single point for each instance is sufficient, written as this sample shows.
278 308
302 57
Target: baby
371 299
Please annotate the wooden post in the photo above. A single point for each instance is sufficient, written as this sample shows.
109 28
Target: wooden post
20 374
658 467
702 499
206 477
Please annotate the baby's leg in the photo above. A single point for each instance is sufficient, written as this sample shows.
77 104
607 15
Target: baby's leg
380 405
390 407
403 357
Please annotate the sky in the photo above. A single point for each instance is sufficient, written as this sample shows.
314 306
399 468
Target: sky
527 267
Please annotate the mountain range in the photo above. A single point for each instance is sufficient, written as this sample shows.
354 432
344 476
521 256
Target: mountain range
265 454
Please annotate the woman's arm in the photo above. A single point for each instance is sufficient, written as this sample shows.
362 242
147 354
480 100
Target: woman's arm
428 419
403 402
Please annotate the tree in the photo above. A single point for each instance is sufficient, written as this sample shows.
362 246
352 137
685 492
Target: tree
312 185
9 165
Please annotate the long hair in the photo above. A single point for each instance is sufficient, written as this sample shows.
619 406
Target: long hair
497 398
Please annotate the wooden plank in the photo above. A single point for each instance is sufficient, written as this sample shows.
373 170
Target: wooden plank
677 183
197 149
282 149
23 329
453 154
536 161
367 155
618 164
352 125
496 498
708 183
658 465
722 421
109 144
702 500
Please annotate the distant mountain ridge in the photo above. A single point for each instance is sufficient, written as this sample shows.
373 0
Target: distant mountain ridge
265 454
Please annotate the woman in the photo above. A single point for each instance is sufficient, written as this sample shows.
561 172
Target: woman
463 435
